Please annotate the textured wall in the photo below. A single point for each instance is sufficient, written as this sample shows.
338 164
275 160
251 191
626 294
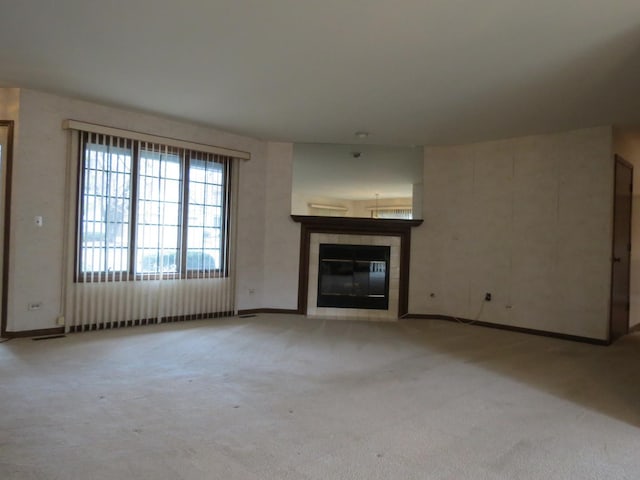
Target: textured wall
527 219
9 103
282 239
39 188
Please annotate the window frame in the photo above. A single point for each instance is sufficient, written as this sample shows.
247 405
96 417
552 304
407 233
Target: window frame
186 156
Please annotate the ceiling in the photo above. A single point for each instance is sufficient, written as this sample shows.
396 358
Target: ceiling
409 72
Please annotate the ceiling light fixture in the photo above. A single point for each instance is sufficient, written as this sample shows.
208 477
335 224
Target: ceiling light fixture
362 135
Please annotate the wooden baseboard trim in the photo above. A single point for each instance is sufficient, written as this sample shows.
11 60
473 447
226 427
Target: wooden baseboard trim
511 328
34 333
254 311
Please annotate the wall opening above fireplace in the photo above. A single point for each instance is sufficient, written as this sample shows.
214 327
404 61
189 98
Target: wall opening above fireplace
365 181
353 276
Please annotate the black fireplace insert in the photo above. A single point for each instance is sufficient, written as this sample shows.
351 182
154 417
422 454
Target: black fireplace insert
353 276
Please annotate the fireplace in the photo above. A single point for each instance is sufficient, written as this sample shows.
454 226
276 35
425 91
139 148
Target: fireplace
395 238
353 276
354 290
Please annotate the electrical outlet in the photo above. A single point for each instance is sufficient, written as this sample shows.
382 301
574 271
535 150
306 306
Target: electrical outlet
33 306
60 321
487 297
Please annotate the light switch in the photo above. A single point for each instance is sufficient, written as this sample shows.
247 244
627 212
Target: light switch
38 220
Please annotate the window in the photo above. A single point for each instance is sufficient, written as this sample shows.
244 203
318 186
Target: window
158 212
402 213
150 211
105 205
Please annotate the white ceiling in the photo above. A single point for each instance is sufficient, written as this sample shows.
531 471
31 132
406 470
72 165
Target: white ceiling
408 71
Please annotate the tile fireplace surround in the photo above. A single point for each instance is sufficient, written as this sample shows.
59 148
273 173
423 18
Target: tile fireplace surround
391 313
354 231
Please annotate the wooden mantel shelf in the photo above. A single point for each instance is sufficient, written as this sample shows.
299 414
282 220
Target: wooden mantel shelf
364 225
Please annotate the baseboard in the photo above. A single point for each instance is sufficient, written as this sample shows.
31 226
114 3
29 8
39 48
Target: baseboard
34 333
254 311
201 316
143 321
511 328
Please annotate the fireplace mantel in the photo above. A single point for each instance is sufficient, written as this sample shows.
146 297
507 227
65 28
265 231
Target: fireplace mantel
355 226
360 225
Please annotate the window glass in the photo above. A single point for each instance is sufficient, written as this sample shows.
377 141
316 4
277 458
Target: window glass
204 210
105 208
177 199
159 193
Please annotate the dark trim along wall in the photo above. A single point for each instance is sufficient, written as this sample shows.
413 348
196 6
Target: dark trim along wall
511 328
254 311
498 326
7 226
34 333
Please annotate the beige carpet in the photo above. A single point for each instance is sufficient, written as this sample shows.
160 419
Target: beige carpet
285 397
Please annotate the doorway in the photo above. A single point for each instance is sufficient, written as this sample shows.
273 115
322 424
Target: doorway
621 249
6 153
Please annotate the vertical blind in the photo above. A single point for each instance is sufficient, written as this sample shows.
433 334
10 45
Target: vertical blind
404 213
152 239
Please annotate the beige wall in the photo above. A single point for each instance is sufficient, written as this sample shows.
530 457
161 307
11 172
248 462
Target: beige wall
39 188
627 145
251 230
9 103
527 219
282 234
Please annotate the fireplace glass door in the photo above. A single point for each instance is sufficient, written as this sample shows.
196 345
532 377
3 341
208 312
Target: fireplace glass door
353 276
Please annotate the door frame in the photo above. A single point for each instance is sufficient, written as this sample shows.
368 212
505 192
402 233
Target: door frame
618 160
8 160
